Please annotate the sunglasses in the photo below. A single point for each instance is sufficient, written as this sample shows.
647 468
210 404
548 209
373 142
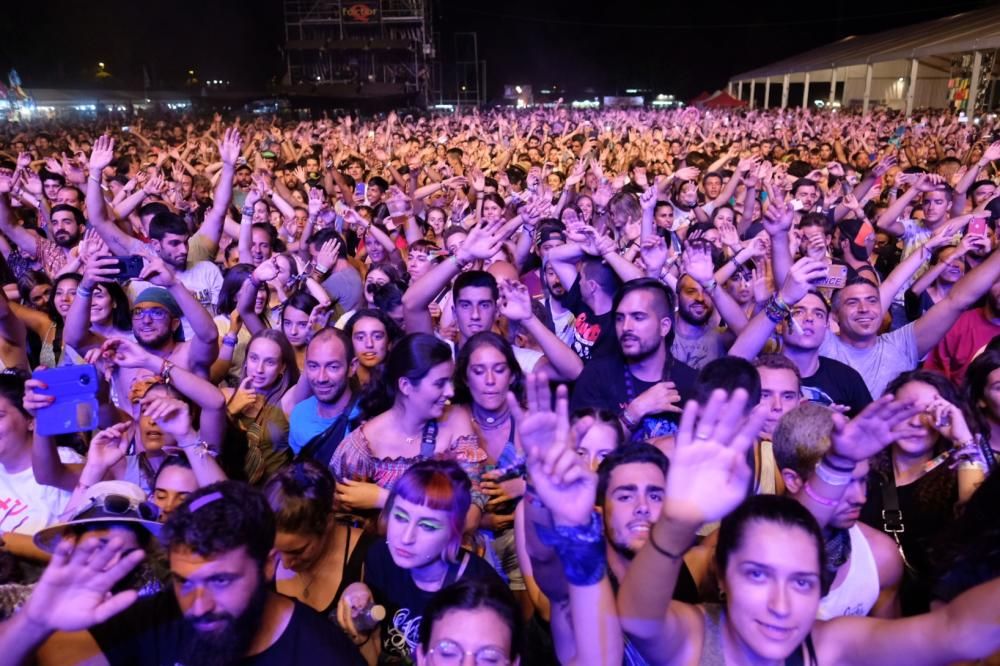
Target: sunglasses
120 505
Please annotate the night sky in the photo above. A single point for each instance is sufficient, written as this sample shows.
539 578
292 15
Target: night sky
666 45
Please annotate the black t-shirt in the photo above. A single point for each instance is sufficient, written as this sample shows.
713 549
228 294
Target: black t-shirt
404 602
837 383
593 334
602 385
152 631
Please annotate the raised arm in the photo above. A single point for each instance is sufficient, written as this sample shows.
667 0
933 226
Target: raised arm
229 149
118 241
905 270
932 326
23 238
481 243
204 347
560 362
563 483
708 478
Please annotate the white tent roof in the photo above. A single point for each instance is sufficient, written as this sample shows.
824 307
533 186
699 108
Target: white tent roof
960 33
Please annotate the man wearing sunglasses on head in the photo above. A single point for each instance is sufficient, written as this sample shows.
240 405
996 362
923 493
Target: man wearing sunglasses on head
221 609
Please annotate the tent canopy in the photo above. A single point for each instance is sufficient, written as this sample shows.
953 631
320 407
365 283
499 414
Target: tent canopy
722 100
960 33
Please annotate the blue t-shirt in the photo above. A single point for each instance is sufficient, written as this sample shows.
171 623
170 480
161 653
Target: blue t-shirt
304 423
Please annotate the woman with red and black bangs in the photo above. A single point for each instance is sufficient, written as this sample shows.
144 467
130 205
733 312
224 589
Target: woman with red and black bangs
420 553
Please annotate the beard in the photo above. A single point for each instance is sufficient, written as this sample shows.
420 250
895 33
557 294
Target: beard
690 318
230 645
156 343
65 239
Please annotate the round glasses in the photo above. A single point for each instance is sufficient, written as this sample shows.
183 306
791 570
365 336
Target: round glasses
449 653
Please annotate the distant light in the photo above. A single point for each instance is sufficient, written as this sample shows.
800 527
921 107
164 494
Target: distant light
463 88
517 89
901 79
319 78
545 91
190 72
631 91
101 65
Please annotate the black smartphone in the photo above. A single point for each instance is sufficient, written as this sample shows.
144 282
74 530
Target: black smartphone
129 267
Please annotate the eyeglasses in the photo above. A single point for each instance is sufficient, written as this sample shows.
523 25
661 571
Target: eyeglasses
449 653
156 314
121 505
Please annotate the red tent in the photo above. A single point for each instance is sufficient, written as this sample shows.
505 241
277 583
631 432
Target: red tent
700 99
723 100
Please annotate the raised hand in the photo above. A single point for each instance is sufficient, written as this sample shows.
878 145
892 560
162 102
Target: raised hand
654 253
697 262
109 446
876 427
328 254
992 153
74 592
230 146
709 474
648 199
102 153
172 415
515 301
778 218
33 399
537 422
316 203
99 269
687 173
561 478
156 271
267 271
484 240
802 276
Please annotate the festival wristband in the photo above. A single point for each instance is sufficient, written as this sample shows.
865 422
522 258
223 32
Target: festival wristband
580 548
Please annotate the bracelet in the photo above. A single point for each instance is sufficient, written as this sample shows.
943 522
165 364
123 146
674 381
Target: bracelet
830 477
200 446
248 211
774 311
580 548
165 371
735 261
816 497
710 286
229 340
321 268
86 292
837 468
629 423
663 551
254 281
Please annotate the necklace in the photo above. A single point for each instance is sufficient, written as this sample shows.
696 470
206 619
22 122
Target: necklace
487 420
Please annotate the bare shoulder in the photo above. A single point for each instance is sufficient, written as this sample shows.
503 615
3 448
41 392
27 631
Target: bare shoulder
886 552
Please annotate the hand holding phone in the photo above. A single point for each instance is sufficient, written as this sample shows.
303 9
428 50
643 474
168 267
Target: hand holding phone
73 407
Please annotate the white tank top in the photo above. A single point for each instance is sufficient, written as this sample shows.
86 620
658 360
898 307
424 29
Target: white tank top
858 592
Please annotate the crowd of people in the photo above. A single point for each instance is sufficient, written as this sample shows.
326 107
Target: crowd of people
510 387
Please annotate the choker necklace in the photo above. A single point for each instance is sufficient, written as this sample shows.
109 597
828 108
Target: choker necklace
489 421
